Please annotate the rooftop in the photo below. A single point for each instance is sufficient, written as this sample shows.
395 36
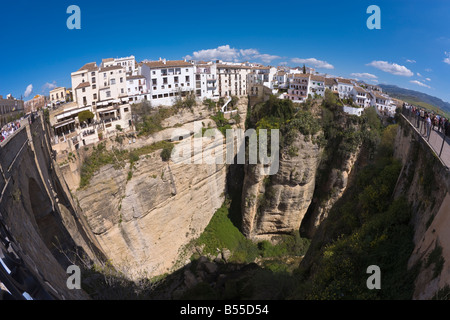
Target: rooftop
91 66
168 63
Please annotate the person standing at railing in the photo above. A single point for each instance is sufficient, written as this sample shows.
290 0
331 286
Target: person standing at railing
418 118
428 125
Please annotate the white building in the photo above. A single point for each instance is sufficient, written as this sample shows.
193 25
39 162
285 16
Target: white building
379 101
298 87
137 89
316 85
361 97
112 85
84 85
262 75
331 84
345 88
128 63
206 80
280 80
232 79
167 79
58 96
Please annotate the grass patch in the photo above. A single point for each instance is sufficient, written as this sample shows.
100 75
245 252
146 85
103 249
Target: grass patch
221 233
101 157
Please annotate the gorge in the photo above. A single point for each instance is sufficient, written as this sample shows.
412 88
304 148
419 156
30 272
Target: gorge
139 216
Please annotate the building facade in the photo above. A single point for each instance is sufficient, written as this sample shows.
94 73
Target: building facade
10 109
166 80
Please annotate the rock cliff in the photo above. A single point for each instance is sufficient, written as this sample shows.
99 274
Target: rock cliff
144 218
273 205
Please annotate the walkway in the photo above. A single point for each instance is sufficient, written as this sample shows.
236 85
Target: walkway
437 140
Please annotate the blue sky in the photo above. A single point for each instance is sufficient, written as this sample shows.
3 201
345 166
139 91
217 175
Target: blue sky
411 50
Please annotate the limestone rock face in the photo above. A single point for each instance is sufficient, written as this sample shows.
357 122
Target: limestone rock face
143 222
337 184
277 204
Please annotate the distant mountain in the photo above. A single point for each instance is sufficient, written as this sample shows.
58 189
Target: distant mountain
415 97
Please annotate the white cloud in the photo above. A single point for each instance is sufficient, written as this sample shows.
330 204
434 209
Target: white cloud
410 61
428 70
226 53
266 58
364 75
49 86
392 68
447 60
418 74
420 84
314 63
428 79
28 91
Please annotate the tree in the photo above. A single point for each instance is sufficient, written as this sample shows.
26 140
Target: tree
304 69
85 116
166 153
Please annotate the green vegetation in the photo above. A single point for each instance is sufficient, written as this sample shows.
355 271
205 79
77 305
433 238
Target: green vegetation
221 123
101 157
166 152
185 100
85 116
365 227
151 123
221 233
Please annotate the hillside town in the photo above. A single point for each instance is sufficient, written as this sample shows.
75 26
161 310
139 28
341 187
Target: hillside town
105 93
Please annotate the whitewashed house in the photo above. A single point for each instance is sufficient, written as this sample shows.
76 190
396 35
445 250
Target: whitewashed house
316 85
206 80
136 88
84 85
232 79
298 87
361 97
168 79
128 63
345 88
331 84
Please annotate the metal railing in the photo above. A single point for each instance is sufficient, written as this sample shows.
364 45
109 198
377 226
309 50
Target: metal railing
437 134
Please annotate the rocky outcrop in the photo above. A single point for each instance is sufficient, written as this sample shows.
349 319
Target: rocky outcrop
337 182
273 205
141 223
143 219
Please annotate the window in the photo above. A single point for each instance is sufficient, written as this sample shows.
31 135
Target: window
113 81
164 80
121 80
153 72
175 79
108 94
187 78
83 90
94 86
93 80
93 73
154 82
121 90
104 75
126 110
95 96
